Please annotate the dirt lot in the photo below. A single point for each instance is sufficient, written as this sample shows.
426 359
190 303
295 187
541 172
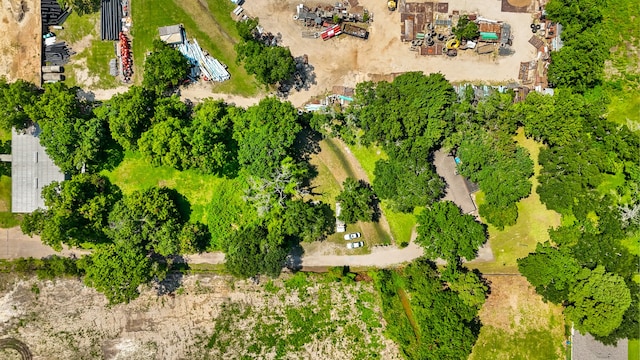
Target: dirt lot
66 320
20 43
347 60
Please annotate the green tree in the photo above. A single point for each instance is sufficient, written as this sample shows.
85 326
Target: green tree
16 101
129 115
118 270
407 184
469 286
552 271
308 221
598 302
250 253
164 68
445 233
213 149
466 29
270 64
357 201
165 143
265 134
77 211
82 7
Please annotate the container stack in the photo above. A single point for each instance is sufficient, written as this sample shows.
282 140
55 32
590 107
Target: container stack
110 19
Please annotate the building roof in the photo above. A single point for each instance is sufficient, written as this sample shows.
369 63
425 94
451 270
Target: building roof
31 170
173 34
586 347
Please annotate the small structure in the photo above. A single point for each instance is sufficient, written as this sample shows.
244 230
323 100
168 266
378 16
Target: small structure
31 170
173 34
340 225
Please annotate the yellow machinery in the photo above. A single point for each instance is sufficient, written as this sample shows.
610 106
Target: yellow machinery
391 5
453 44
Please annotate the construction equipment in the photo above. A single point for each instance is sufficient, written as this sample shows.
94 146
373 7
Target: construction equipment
392 5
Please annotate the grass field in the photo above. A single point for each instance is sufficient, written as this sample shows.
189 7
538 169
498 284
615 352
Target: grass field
207 21
634 349
517 324
534 220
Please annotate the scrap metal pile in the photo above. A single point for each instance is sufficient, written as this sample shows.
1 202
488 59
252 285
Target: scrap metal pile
126 62
52 13
204 65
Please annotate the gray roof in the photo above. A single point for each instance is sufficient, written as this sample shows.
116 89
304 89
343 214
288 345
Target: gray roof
172 34
585 347
31 170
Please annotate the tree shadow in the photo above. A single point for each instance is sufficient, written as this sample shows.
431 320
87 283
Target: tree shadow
184 207
169 285
294 258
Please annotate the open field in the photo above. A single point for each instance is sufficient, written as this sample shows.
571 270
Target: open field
517 324
209 317
534 220
20 42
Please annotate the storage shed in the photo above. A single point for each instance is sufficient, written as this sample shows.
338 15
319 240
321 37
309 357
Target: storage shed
173 34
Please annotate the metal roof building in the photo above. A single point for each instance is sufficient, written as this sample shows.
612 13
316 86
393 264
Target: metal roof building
172 35
31 170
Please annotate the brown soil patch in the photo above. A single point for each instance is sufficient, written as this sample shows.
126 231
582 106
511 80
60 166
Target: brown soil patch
519 3
20 43
514 304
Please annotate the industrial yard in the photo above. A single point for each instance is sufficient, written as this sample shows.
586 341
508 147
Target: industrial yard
347 60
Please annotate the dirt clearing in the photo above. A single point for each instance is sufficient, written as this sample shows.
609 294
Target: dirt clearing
20 42
209 317
517 324
346 60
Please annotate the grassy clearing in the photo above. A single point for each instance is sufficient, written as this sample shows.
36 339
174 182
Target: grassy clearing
7 219
209 22
534 219
634 349
135 173
517 324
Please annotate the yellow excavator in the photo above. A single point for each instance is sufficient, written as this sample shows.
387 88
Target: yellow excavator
391 5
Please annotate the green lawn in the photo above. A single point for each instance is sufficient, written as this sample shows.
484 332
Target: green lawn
135 173
634 349
7 219
534 220
207 21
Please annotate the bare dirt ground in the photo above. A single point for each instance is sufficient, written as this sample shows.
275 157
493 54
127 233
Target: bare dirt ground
67 320
347 60
20 43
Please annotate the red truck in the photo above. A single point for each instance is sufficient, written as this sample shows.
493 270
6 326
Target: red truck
331 32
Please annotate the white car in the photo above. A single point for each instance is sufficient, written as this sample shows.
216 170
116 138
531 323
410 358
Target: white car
351 236
355 245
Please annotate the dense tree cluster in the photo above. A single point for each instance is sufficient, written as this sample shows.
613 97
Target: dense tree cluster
357 201
270 64
165 68
421 310
447 234
466 29
409 127
580 62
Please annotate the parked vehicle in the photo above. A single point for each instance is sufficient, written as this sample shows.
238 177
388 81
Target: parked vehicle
352 236
355 245
355 31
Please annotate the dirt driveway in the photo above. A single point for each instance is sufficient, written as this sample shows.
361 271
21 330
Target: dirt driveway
346 60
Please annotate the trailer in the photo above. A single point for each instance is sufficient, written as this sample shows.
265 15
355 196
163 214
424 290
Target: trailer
331 32
52 77
356 31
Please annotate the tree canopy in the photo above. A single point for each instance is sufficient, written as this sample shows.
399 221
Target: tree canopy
17 100
357 201
164 68
444 232
466 29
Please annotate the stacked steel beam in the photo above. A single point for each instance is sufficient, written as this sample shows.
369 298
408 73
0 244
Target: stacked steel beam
52 13
110 19
209 67
57 54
